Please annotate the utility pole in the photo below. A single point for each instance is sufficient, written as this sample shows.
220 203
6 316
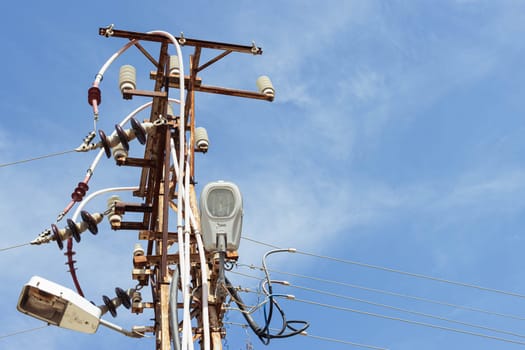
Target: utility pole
160 184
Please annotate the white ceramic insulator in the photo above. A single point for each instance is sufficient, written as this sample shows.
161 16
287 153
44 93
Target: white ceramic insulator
138 250
148 127
174 65
265 86
170 110
111 202
119 152
201 139
115 220
127 78
98 217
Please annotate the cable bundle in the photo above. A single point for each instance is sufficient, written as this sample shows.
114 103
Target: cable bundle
288 328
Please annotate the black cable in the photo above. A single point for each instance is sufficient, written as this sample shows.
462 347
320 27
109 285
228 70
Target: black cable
249 319
264 334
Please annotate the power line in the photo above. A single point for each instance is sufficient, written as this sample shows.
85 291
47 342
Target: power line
386 292
13 247
36 158
334 340
408 311
429 325
21 332
364 301
400 272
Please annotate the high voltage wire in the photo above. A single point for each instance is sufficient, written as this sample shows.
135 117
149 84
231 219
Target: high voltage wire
13 247
24 331
333 340
409 311
400 272
36 158
424 324
386 292
440 318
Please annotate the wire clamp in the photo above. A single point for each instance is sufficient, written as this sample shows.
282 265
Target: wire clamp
61 216
109 30
254 49
182 39
86 144
160 121
44 237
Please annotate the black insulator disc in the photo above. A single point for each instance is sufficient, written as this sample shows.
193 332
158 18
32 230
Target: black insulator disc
140 133
124 297
111 307
90 221
57 237
74 230
105 143
122 137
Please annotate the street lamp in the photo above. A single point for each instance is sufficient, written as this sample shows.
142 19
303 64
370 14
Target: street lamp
62 307
58 306
221 216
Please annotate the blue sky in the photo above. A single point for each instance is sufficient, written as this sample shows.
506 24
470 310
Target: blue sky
395 139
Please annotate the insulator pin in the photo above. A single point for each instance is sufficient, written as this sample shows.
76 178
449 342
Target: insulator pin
265 86
127 78
174 65
201 139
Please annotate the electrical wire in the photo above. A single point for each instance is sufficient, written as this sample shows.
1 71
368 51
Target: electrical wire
386 292
36 158
424 324
98 193
401 272
265 334
333 340
435 317
187 335
495 330
288 328
24 331
14 246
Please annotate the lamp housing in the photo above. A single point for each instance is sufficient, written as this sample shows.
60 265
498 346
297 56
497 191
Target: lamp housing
58 305
221 216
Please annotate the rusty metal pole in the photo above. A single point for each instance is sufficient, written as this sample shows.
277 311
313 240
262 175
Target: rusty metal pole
158 190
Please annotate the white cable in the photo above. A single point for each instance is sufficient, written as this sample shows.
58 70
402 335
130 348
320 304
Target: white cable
204 282
187 336
99 192
180 239
100 74
187 248
184 261
202 258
